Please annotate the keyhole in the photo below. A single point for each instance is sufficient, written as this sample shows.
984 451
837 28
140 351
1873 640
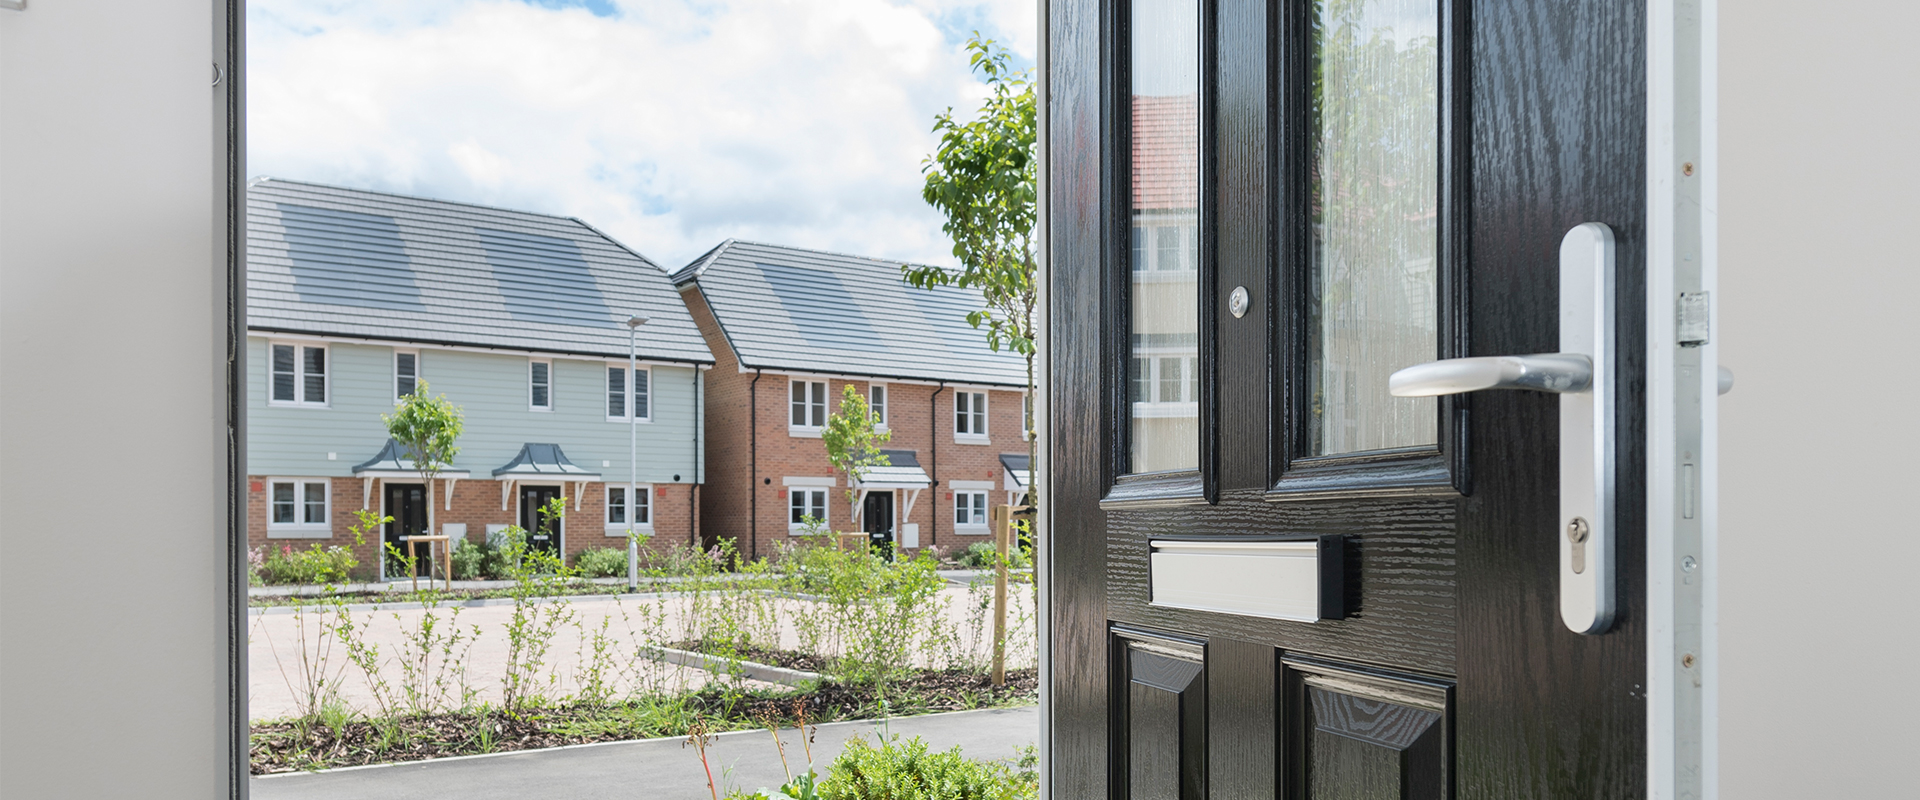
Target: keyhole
1577 533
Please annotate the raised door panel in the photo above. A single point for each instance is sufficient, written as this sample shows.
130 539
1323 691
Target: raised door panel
1160 711
1359 734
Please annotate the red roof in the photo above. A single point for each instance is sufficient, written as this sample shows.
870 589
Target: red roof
1166 152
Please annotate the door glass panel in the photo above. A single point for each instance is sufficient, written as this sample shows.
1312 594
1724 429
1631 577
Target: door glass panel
1375 222
1165 204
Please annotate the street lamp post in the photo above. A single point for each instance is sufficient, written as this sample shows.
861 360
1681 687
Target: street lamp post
633 451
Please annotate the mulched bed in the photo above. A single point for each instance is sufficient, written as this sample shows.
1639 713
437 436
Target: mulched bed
759 655
290 746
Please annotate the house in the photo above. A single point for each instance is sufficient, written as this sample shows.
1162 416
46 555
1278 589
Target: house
790 329
357 297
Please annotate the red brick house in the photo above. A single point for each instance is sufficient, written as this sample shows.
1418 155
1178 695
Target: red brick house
789 329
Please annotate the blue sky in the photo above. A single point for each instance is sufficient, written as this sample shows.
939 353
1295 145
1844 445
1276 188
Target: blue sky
670 124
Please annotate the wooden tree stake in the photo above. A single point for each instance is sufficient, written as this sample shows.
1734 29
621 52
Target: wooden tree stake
1002 535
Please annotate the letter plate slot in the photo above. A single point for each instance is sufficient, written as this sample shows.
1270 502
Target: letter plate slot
1297 578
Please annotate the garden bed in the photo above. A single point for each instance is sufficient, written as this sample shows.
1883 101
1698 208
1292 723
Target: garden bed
344 740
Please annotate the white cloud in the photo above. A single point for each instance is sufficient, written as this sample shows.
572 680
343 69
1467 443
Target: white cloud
672 125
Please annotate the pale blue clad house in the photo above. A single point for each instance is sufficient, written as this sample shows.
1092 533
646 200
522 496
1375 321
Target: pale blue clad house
518 318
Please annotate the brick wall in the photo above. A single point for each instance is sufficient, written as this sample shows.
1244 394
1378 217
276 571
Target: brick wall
476 503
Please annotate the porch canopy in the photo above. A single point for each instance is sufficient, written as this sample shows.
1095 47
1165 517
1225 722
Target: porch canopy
394 463
1018 475
542 463
902 471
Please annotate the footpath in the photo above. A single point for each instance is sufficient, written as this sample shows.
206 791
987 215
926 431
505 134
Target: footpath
666 769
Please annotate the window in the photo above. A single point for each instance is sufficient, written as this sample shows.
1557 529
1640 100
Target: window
406 372
809 402
540 385
970 511
299 508
1138 236
299 374
804 502
970 416
617 509
1167 250
1163 379
877 400
619 400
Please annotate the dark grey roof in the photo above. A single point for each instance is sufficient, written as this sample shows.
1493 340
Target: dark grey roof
543 461
788 308
348 262
394 457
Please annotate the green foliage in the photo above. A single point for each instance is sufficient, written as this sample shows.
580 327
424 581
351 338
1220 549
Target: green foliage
907 771
983 555
875 613
427 427
312 565
601 562
853 444
470 560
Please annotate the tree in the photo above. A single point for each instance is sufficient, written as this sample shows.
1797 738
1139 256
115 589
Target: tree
427 428
853 444
983 179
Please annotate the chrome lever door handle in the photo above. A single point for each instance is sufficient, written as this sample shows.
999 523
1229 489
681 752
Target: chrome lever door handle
1560 373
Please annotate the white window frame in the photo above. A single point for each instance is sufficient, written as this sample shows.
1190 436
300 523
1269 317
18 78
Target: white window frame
965 491
815 411
879 409
824 491
301 530
977 410
300 398
607 390
397 353
531 405
1156 405
643 491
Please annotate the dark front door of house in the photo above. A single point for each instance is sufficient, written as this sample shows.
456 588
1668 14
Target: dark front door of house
1277 570
876 518
543 533
406 503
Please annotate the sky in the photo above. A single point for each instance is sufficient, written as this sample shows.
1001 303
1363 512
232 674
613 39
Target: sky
671 125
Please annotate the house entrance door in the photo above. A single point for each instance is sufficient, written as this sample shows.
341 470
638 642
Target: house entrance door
876 518
406 503
1280 565
542 534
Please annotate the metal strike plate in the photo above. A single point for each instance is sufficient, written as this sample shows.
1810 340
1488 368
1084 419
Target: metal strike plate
1586 529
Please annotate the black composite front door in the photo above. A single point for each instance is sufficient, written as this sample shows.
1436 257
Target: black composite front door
407 505
543 533
1280 566
876 518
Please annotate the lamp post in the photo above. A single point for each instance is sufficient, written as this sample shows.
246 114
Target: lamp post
633 451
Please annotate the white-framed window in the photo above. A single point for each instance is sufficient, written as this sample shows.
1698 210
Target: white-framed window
970 511
807 404
624 395
805 502
406 372
540 384
877 400
297 374
617 508
1164 379
970 417
299 508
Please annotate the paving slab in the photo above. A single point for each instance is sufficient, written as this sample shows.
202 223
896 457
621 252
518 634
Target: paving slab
656 769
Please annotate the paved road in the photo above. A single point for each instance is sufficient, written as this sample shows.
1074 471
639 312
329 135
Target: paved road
659 769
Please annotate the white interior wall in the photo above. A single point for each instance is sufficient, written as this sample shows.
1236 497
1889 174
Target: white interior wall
1819 282
113 553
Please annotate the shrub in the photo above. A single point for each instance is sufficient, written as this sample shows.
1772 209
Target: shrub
980 555
897 771
470 560
312 565
601 562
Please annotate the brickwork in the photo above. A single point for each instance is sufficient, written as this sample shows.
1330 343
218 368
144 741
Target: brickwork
744 476
476 503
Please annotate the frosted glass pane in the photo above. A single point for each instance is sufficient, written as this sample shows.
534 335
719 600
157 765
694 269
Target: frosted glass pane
1375 227
1165 254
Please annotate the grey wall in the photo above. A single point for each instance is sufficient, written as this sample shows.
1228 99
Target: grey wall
114 649
491 390
1819 279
